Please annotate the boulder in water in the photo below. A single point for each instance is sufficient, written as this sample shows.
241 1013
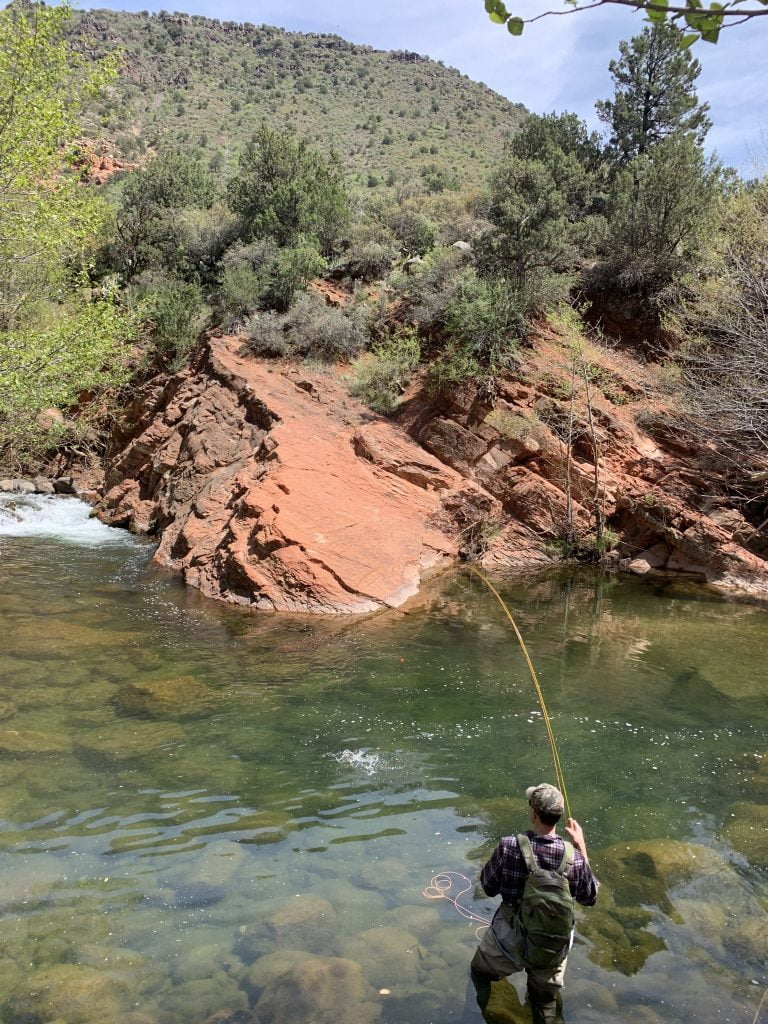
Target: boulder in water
327 990
305 923
128 741
391 957
172 697
30 743
68 993
747 832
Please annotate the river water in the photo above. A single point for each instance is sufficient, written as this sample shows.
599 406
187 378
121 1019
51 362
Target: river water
202 806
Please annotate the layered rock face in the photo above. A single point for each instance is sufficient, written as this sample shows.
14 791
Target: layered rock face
269 486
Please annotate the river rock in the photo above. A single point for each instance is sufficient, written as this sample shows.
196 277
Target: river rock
391 957
29 743
304 923
199 999
140 974
197 962
356 909
328 990
273 966
420 920
173 697
748 940
68 993
128 741
205 881
747 832
590 994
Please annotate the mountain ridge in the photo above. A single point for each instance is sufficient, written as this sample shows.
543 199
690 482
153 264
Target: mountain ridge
205 85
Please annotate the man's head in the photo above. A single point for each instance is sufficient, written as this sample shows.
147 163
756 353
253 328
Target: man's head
547 802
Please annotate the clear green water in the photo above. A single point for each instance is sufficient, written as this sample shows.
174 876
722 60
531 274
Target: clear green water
154 870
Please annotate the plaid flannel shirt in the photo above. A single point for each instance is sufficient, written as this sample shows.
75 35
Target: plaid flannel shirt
506 872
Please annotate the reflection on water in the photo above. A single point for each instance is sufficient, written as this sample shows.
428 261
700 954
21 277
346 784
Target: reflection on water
207 812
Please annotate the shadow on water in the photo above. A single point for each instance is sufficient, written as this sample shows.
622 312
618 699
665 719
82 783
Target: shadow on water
211 816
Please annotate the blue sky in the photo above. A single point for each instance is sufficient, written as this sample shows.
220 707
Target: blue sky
560 63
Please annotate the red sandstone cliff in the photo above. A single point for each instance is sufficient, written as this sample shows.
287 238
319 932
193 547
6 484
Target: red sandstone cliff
268 485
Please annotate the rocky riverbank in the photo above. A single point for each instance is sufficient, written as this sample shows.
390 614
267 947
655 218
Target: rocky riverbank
267 485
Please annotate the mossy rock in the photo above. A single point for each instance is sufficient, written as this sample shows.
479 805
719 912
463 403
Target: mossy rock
197 1000
68 993
326 990
173 697
747 832
272 967
30 743
643 873
128 741
391 957
305 923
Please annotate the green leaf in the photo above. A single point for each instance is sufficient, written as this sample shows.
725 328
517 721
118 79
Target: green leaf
656 16
711 36
688 40
496 18
516 26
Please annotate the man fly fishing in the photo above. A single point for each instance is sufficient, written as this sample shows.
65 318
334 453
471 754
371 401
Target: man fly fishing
539 875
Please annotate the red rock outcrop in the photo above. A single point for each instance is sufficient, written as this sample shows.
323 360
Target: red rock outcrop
269 486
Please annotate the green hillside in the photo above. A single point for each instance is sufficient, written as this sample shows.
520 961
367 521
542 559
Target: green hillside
206 85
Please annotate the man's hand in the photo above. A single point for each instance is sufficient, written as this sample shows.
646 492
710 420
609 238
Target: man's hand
575 834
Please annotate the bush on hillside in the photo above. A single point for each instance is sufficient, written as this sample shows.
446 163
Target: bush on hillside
173 312
381 377
311 329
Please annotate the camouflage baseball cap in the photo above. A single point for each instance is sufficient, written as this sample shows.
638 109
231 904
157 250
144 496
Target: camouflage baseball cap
545 798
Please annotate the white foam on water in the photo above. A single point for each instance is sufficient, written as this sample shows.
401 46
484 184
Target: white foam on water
369 763
67 519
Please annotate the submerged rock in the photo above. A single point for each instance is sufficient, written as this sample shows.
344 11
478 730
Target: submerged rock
304 923
128 741
747 832
196 1000
327 990
29 743
67 993
172 697
391 957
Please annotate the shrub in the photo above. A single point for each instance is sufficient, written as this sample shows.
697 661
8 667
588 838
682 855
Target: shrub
431 287
326 332
456 365
173 312
382 377
266 335
310 328
488 318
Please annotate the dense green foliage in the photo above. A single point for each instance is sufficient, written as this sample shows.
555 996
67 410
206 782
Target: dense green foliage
432 273
57 341
206 86
288 192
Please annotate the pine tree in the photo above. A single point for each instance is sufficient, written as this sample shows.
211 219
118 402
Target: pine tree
655 94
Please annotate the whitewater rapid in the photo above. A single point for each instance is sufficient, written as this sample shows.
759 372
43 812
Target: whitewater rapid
59 518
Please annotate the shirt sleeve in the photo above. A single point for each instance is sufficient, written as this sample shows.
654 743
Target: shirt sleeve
584 884
490 876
